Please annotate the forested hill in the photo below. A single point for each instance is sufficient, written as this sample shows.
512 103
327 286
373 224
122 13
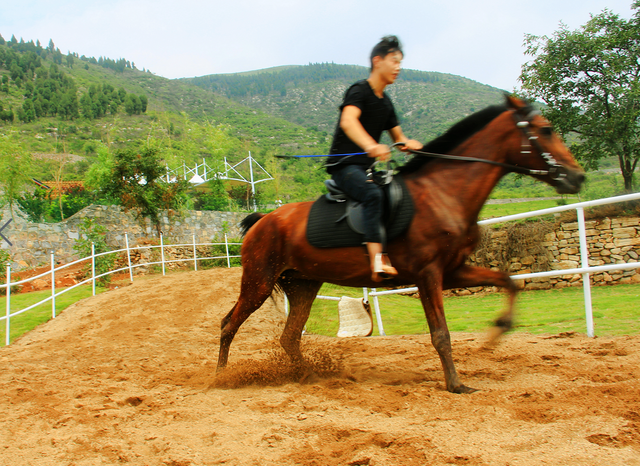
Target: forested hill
427 102
84 107
41 89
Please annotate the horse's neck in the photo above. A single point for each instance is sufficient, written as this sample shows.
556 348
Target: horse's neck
461 188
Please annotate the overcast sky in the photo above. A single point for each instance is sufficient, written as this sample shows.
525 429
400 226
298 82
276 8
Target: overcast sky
480 40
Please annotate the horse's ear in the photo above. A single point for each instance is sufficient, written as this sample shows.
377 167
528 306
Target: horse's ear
515 102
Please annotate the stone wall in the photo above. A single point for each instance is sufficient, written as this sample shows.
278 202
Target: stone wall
609 240
33 242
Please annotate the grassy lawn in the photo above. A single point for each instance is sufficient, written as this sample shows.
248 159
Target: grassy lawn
31 319
512 208
615 311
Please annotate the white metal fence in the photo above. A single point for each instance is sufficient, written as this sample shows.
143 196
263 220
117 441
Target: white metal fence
93 277
585 270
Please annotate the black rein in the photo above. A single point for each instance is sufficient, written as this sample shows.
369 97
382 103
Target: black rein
556 171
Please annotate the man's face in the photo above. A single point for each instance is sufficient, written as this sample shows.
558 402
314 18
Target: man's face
389 66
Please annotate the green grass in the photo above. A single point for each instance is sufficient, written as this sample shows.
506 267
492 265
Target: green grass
29 320
501 210
615 311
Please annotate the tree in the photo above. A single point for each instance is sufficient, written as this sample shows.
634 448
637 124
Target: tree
136 180
15 166
143 103
216 198
589 81
132 104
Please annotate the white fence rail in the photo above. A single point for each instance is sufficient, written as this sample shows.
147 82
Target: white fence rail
92 279
585 270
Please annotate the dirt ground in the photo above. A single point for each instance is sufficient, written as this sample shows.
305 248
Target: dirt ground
128 377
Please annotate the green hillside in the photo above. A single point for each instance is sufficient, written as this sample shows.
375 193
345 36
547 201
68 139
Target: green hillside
64 104
52 104
427 102
168 101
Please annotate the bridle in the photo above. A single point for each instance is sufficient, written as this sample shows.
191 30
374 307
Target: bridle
556 170
530 141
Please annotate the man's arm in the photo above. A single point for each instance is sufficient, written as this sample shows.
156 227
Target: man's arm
350 124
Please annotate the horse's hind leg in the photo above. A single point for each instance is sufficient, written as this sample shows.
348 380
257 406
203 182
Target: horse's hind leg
300 293
252 294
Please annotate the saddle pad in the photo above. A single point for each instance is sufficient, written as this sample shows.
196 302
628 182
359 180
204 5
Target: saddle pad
324 232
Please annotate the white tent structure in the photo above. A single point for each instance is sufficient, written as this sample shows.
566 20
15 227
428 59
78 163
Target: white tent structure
202 173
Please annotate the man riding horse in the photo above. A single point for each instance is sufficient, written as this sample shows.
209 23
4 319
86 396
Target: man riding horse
366 112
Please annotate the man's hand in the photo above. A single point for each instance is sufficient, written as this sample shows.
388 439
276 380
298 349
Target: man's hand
411 144
380 152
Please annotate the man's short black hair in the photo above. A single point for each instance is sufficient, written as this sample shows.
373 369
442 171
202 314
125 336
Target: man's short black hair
387 45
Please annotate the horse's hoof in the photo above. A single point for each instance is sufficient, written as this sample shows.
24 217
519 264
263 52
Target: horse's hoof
494 335
463 389
309 377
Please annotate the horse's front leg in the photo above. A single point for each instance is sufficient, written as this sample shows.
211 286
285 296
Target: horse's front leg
468 276
430 286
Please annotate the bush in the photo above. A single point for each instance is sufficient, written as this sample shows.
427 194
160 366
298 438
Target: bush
74 199
90 232
34 204
40 206
216 198
218 250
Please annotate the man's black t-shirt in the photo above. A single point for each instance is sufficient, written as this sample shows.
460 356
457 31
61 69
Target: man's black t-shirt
377 115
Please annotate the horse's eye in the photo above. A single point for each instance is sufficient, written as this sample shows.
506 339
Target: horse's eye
546 131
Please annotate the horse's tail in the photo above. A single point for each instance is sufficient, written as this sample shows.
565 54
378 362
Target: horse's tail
250 221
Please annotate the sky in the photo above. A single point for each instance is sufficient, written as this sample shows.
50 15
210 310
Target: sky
480 40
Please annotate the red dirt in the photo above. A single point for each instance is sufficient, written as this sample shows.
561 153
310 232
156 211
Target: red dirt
128 376
66 277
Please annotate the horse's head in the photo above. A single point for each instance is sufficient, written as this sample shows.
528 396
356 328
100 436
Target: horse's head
542 151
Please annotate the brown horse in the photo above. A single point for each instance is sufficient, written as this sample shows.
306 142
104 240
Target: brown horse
448 195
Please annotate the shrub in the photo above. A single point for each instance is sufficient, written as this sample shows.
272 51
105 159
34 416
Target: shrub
218 250
90 232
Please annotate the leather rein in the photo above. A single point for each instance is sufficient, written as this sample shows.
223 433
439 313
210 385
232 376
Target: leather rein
556 171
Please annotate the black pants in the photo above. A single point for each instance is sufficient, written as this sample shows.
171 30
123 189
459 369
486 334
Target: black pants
352 179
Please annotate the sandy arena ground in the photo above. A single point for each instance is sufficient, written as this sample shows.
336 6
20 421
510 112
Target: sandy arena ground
128 377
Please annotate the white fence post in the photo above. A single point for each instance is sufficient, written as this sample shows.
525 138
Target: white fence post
53 286
8 324
93 268
195 254
126 241
226 245
376 307
586 280
162 252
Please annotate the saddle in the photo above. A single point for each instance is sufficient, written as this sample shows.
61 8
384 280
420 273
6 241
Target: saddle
335 220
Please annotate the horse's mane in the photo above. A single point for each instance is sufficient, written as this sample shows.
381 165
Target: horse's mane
455 136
